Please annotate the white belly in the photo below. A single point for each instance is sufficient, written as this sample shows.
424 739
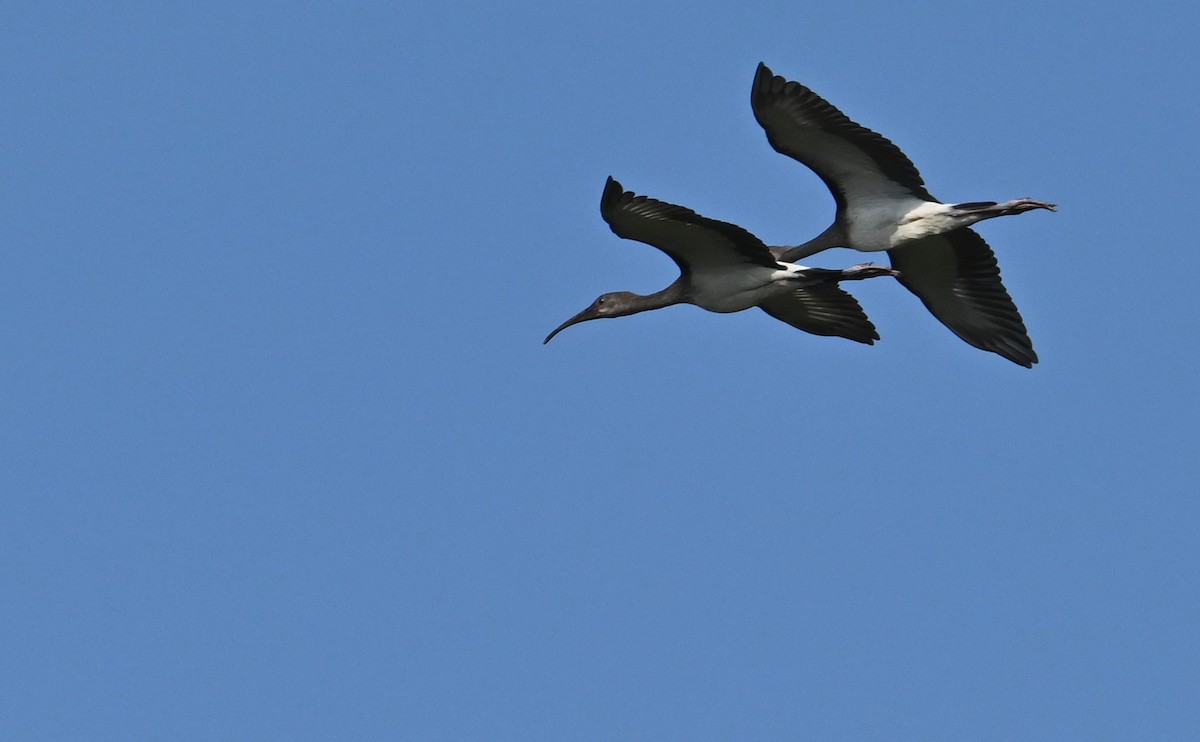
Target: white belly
888 223
732 291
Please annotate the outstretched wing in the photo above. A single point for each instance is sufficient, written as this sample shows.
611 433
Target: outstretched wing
694 242
823 309
854 162
955 275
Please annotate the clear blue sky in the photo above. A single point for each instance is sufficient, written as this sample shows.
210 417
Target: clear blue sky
283 456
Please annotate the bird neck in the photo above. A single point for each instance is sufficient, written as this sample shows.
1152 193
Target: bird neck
831 237
676 293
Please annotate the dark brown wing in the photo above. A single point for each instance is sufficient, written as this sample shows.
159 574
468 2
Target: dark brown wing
823 309
692 241
854 162
955 275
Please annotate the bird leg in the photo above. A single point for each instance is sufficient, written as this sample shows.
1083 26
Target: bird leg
868 270
990 209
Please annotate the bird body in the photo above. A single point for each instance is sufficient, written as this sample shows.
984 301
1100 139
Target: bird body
882 204
727 291
885 224
723 268
881 224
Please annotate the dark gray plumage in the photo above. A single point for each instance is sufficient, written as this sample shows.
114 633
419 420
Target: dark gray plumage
882 204
724 268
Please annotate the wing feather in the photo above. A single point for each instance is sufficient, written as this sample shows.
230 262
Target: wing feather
692 241
956 276
855 162
823 309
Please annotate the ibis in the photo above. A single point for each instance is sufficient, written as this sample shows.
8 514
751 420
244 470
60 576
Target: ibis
724 268
882 205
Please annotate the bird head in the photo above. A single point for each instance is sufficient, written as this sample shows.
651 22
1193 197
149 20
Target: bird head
616 304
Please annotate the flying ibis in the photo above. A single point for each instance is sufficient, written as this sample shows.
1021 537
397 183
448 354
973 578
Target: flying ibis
882 204
724 268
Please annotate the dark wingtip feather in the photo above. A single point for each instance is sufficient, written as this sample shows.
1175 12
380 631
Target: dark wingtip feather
1017 352
824 309
763 77
761 74
956 277
612 194
864 338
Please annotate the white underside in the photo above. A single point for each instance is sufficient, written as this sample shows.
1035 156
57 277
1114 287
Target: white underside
732 291
874 225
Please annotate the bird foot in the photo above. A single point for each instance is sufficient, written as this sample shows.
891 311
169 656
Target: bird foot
1021 205
868 270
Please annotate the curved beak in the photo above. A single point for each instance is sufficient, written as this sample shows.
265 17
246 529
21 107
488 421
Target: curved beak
582 316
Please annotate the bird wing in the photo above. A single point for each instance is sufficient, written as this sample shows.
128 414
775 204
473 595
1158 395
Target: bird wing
823 309
854 162
955 275
694 242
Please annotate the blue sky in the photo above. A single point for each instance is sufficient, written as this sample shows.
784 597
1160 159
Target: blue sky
284 456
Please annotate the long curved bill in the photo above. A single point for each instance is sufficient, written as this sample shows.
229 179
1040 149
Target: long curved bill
584 315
